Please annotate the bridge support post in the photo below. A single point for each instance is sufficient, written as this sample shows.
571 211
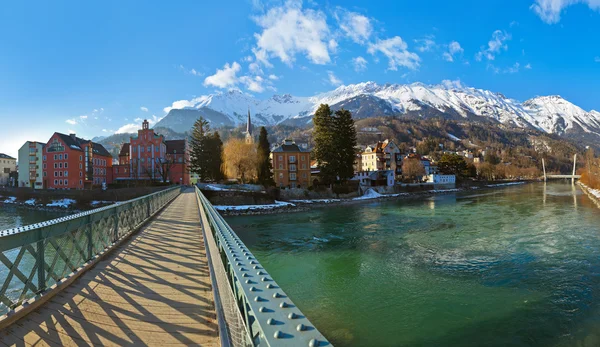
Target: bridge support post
41 261
544 168
574 166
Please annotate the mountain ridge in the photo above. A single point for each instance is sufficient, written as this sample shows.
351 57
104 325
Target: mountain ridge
551 114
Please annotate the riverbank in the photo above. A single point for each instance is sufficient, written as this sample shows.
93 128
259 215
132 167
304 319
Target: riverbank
593 194
305 205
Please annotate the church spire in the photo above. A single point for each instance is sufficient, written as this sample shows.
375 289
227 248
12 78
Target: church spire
249 138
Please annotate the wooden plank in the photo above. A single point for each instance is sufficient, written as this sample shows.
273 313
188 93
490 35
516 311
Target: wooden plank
154 290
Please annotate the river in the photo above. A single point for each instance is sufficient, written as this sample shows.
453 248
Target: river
16 216
517 266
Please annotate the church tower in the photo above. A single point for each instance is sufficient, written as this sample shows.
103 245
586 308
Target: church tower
249 137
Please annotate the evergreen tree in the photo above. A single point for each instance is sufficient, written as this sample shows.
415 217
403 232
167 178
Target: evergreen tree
344 145
265 176
200 154
216 157
324 144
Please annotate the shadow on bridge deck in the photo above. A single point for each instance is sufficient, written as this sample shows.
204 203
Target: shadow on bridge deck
153 290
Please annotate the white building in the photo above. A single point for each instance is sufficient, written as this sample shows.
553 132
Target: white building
8 164
30 165
442 179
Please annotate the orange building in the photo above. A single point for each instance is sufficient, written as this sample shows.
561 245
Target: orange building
70 162
149 157
291 165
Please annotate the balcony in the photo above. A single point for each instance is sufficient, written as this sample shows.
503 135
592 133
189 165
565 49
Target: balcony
292 160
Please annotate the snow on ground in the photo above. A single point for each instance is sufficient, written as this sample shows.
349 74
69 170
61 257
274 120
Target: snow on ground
444 190
277 204
504 184
324 201
215 188
369 194
64 203
10 200
594 192
98 202
30 202
453 138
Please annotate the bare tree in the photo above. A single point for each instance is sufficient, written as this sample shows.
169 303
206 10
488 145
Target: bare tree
412 168
239 160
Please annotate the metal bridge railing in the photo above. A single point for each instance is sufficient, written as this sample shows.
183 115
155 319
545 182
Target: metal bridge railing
36 257
252 309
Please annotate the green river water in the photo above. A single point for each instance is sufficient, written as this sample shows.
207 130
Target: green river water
517 266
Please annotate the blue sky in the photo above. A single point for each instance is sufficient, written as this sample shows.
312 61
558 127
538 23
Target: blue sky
98 67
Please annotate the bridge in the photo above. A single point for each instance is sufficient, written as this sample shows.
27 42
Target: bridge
572 176
164 269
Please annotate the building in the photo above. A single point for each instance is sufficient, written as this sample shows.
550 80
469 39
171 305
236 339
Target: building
8 165
30 165
445 180
291 165
249 136
381 156
148 156
70 162
375 178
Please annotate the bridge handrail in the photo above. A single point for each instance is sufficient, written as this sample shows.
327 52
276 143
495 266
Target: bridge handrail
269 316
36 257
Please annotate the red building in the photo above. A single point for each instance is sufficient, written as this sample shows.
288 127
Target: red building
149 157
70 162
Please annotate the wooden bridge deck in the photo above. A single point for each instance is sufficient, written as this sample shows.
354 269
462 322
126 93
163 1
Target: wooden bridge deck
154 290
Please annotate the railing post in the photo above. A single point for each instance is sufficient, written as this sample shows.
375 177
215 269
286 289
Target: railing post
116 236
148 205
89 229
41 260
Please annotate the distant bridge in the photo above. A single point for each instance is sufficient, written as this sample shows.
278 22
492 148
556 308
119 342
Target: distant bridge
572 177
563 176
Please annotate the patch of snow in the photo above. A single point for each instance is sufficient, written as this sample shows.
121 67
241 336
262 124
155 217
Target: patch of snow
504 184
98 202
30 202
444 190
313 201
10 200
594 192
453 138
369 194
277 204
215 188
64 203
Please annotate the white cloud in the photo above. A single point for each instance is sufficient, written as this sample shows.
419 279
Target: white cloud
224 78
425 45
289 30
396 50
253 83
143 108
333 79
360 64
528 66
71 121
549 10
354 25
134 127
453 49
273 77
191 71
449 84
597 59
70 131
513 69
183 104
495 45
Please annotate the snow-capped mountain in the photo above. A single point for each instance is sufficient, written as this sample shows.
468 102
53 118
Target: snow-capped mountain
551 114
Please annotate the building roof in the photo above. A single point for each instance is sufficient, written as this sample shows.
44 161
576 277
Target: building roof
76 143
125 148
175 146
5 156
288 146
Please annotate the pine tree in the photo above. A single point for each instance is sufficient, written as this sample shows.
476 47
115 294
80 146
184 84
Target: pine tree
324 145
216 157
344 145
199 153
265 176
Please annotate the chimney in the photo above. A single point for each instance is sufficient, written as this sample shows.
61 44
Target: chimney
73 136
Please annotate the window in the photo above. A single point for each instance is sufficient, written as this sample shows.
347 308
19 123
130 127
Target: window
134 149
292 158
142 160
66 173
79 166
142 149
303 166
280 166
66 182
292 167
55 157
156 149
55 182
44 173
280 157
302 157
60 182
116 170
292 176
60 173
60 165
44 158
304 175
149 149
80 182
66 165
55 165
80 174
80 158
281 175
55 173
44 166
66 156
60 157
